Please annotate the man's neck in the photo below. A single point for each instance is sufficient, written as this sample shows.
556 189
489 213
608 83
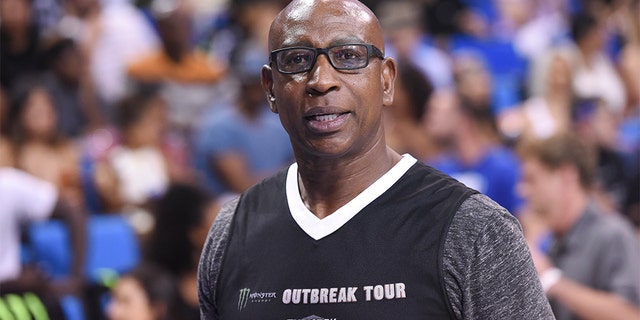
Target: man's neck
326 185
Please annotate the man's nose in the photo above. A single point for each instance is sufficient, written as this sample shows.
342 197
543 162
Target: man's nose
322 77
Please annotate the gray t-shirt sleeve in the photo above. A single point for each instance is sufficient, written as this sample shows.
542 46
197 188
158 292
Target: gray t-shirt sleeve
488 270
211 260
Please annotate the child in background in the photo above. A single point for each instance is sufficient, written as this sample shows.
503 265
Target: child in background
141 166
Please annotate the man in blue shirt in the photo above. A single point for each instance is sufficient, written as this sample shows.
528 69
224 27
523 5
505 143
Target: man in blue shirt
241 144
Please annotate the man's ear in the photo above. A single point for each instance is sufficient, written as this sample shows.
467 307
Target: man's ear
388 76
266 79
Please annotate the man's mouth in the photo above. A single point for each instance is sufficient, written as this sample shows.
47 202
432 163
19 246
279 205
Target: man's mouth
325 123
324 117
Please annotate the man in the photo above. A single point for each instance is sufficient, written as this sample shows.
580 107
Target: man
477 158
187 74
402 22
354 230
592 271
71 89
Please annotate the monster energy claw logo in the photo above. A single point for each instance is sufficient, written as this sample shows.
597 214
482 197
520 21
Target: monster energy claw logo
243 297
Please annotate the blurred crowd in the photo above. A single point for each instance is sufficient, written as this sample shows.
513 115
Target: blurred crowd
152 110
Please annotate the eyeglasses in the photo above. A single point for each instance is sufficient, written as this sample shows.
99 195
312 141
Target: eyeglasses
342 57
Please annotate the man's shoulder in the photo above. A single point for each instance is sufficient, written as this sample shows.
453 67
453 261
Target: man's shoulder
436 185
480 206
433 174
479 212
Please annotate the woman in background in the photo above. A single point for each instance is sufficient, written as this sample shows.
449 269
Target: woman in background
36 146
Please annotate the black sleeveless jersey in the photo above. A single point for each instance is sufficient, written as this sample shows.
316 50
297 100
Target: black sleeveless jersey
384 263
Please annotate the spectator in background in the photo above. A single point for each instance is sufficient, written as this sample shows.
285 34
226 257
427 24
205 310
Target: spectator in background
630 67
548 110
444 18
591 271
34 137
188 75
629 59
245 28
111 34
473 82
69 87
142 171
531 25
478 159
595 123
439 122
404 119
248 20
244 143
19 42
146 293
26 199
406 40
182 219
476 156
254 18
595 75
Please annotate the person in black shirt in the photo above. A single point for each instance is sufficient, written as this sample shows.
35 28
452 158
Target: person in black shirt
354 230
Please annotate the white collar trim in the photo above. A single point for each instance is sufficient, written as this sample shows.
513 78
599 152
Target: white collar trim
319 228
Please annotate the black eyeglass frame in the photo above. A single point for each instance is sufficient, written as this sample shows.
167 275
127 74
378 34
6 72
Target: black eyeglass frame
372 51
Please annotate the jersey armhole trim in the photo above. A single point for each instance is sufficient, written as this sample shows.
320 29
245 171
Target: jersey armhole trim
441 272
222 252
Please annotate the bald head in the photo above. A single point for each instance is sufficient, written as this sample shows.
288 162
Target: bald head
305 22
